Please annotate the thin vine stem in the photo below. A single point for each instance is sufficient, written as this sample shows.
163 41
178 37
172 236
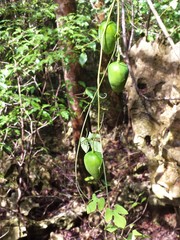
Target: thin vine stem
97 93
99 69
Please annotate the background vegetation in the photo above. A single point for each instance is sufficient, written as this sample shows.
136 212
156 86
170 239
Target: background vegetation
33 94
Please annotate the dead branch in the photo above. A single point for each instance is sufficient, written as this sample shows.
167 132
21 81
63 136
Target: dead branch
160 23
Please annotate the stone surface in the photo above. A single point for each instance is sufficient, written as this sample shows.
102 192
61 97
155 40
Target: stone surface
155 113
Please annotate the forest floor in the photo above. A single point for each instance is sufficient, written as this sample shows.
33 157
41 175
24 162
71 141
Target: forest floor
51 207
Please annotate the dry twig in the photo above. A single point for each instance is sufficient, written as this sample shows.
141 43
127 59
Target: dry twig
160 23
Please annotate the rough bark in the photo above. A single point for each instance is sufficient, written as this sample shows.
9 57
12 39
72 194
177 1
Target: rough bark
71 72
65 7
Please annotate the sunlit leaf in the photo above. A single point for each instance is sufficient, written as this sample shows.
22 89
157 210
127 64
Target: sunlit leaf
84 144
173 4
121 210
136 233
89 92
65 114
111 228
94 198
91 207
108 215
94 140
101 203
119 220
83 58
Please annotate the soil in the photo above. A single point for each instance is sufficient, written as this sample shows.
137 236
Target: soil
54 192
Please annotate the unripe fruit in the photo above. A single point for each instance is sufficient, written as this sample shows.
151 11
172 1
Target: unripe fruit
117 75
93 163
107 36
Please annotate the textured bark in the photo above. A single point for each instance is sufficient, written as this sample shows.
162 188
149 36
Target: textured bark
71 72
65 7
71 76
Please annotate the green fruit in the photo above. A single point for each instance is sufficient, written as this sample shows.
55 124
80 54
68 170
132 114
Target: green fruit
107 36
93 163
117 74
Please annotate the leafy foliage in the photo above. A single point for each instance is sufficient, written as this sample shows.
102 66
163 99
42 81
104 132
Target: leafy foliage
168 12
114 217
76 29
28 55
32 91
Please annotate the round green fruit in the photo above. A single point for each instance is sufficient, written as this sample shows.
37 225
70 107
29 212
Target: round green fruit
117 75
107 36
93 163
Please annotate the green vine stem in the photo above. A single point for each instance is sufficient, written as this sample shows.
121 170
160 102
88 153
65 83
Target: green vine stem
99 69
97 93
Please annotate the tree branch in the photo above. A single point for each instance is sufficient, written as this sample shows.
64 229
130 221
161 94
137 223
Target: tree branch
160 23
123 23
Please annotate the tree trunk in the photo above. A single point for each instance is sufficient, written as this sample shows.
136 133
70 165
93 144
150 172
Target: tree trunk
72 74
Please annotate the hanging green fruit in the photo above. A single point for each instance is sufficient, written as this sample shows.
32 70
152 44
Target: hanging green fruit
107 36
93 163
117 75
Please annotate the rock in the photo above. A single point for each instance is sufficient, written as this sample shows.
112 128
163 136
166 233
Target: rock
155 113
12 229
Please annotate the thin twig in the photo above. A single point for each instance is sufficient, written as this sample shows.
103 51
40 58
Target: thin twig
123 22
2 236
148 23
132 24
23 152
160 23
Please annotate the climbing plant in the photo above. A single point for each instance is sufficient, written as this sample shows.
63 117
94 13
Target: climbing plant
111 39
32 88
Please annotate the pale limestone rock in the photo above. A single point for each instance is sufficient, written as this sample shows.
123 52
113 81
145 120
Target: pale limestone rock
156 123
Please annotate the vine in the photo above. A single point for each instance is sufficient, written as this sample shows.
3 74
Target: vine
113 217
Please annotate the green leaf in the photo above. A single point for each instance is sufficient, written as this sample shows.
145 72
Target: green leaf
83 58
92 45
64 114
94 140
108 215
119 220
45 115
89 92
111 228
94 198
143 199
135 204
81 83
101 203
173 4
96 146
84 144
91 207
3 120
7 149
94 136
134 234
35 105
89 179
121 210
